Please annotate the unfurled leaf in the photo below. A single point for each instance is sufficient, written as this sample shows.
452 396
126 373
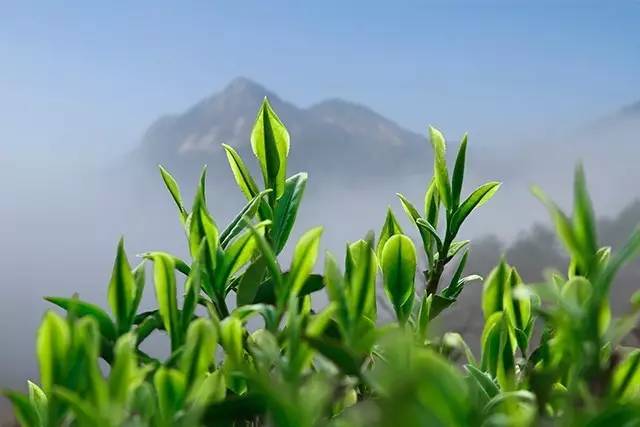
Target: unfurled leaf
583 216
250 281
165 285
237 254
479 197
458 173
424 226
484 381
304 258
81 308
199 351
174 189
241 173
270 144
271 261
626 377
564 228
122 290
238 224
284 215
170 388
389 228
399 269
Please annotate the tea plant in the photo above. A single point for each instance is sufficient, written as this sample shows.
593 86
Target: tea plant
339 366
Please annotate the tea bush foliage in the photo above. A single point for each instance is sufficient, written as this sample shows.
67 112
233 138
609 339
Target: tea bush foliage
551 353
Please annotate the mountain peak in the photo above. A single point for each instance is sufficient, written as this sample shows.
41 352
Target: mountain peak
243 85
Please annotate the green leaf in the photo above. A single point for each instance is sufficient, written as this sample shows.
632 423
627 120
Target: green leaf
564 228
241 173
53 344
414 216
452 291
440 172
389 228
211 390
336 290
23 410
490 343
456 247
270 144
231 337
337 353
478 198
439 304
432 204
40 403
286 210
484 381
139 276
125 376
494 289
583 216
83 410
165 285
181 266
424 316
201 225
399 269
628 252
626 377
362 279
423 225
304 259
174 189
122 290
458 173
250 281
170 387
266 293
192 286
199 351
237 254
238 224
81 309
270 258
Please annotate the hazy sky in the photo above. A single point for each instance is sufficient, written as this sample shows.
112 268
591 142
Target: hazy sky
95 74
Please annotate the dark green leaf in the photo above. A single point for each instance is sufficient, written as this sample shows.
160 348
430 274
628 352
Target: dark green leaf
479 197
286 210
122 290
81 309
174 189
458 173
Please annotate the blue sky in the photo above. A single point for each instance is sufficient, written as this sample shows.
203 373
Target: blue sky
95 74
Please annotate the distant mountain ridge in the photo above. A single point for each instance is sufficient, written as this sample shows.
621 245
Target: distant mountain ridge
327 137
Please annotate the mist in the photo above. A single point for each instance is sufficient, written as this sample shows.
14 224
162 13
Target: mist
61 215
